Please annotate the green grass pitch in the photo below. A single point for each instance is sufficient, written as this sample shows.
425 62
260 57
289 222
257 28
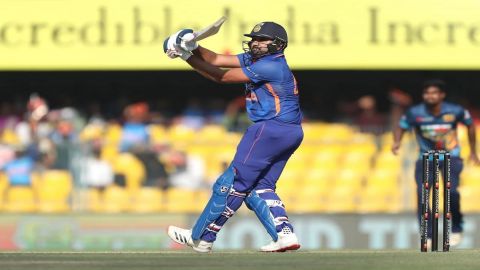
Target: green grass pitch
348 260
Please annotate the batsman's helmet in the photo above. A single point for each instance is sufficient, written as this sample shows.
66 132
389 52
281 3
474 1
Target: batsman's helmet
273 31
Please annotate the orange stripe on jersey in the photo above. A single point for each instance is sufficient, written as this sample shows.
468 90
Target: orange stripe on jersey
295 89
275 96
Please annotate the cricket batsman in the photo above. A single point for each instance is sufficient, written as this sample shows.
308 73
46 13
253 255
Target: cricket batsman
273 105
435 124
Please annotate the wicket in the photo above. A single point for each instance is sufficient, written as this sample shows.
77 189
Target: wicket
434 215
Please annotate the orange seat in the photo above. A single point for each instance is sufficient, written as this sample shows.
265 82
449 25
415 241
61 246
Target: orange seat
212 134
88 200
342 200
470 201
3 188
309 199
158 134
109 152
132 168
20 200
181 136
375 199
387 160
113 134
349 178
201 199
328 159
53 191
179 200
9 136
383 177
148 200
115 200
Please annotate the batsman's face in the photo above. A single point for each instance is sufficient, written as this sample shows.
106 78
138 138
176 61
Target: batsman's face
259 45
433 95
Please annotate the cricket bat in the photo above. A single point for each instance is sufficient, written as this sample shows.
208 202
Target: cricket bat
209 30
199 34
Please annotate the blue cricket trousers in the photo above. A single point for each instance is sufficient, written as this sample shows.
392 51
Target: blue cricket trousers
263 152
261 157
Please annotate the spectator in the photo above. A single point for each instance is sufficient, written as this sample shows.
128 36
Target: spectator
20 169
400 101
189 170
135 131
236 118
97 174
7 154
368 119
44 153
64 139
193 116
156 174
215 111
8 120
34 126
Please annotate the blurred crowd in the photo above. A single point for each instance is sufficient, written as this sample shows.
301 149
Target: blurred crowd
36 138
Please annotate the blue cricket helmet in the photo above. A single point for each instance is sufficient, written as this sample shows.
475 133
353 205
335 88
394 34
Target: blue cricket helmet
269 30
273 31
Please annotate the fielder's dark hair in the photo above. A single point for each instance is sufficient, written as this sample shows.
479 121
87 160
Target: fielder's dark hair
440 84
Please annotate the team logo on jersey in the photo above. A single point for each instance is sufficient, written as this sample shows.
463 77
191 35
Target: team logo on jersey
257 27
223 189
437 132
438 128
423 119
448 117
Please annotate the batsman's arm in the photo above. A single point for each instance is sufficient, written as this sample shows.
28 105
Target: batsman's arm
216 74
218 60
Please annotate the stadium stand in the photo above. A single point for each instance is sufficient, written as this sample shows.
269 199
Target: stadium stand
337 169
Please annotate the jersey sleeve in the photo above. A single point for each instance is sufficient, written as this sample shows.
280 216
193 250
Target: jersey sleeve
465 117
244 59
266 71
406 121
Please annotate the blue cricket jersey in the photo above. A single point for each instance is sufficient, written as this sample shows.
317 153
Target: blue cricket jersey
436 132
272 92
19 170
133 134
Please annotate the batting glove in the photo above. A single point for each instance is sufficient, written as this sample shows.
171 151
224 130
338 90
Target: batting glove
179 52
185 38
172 46
188 41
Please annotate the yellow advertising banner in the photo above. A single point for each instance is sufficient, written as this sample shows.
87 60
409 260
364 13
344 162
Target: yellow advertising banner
341 34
